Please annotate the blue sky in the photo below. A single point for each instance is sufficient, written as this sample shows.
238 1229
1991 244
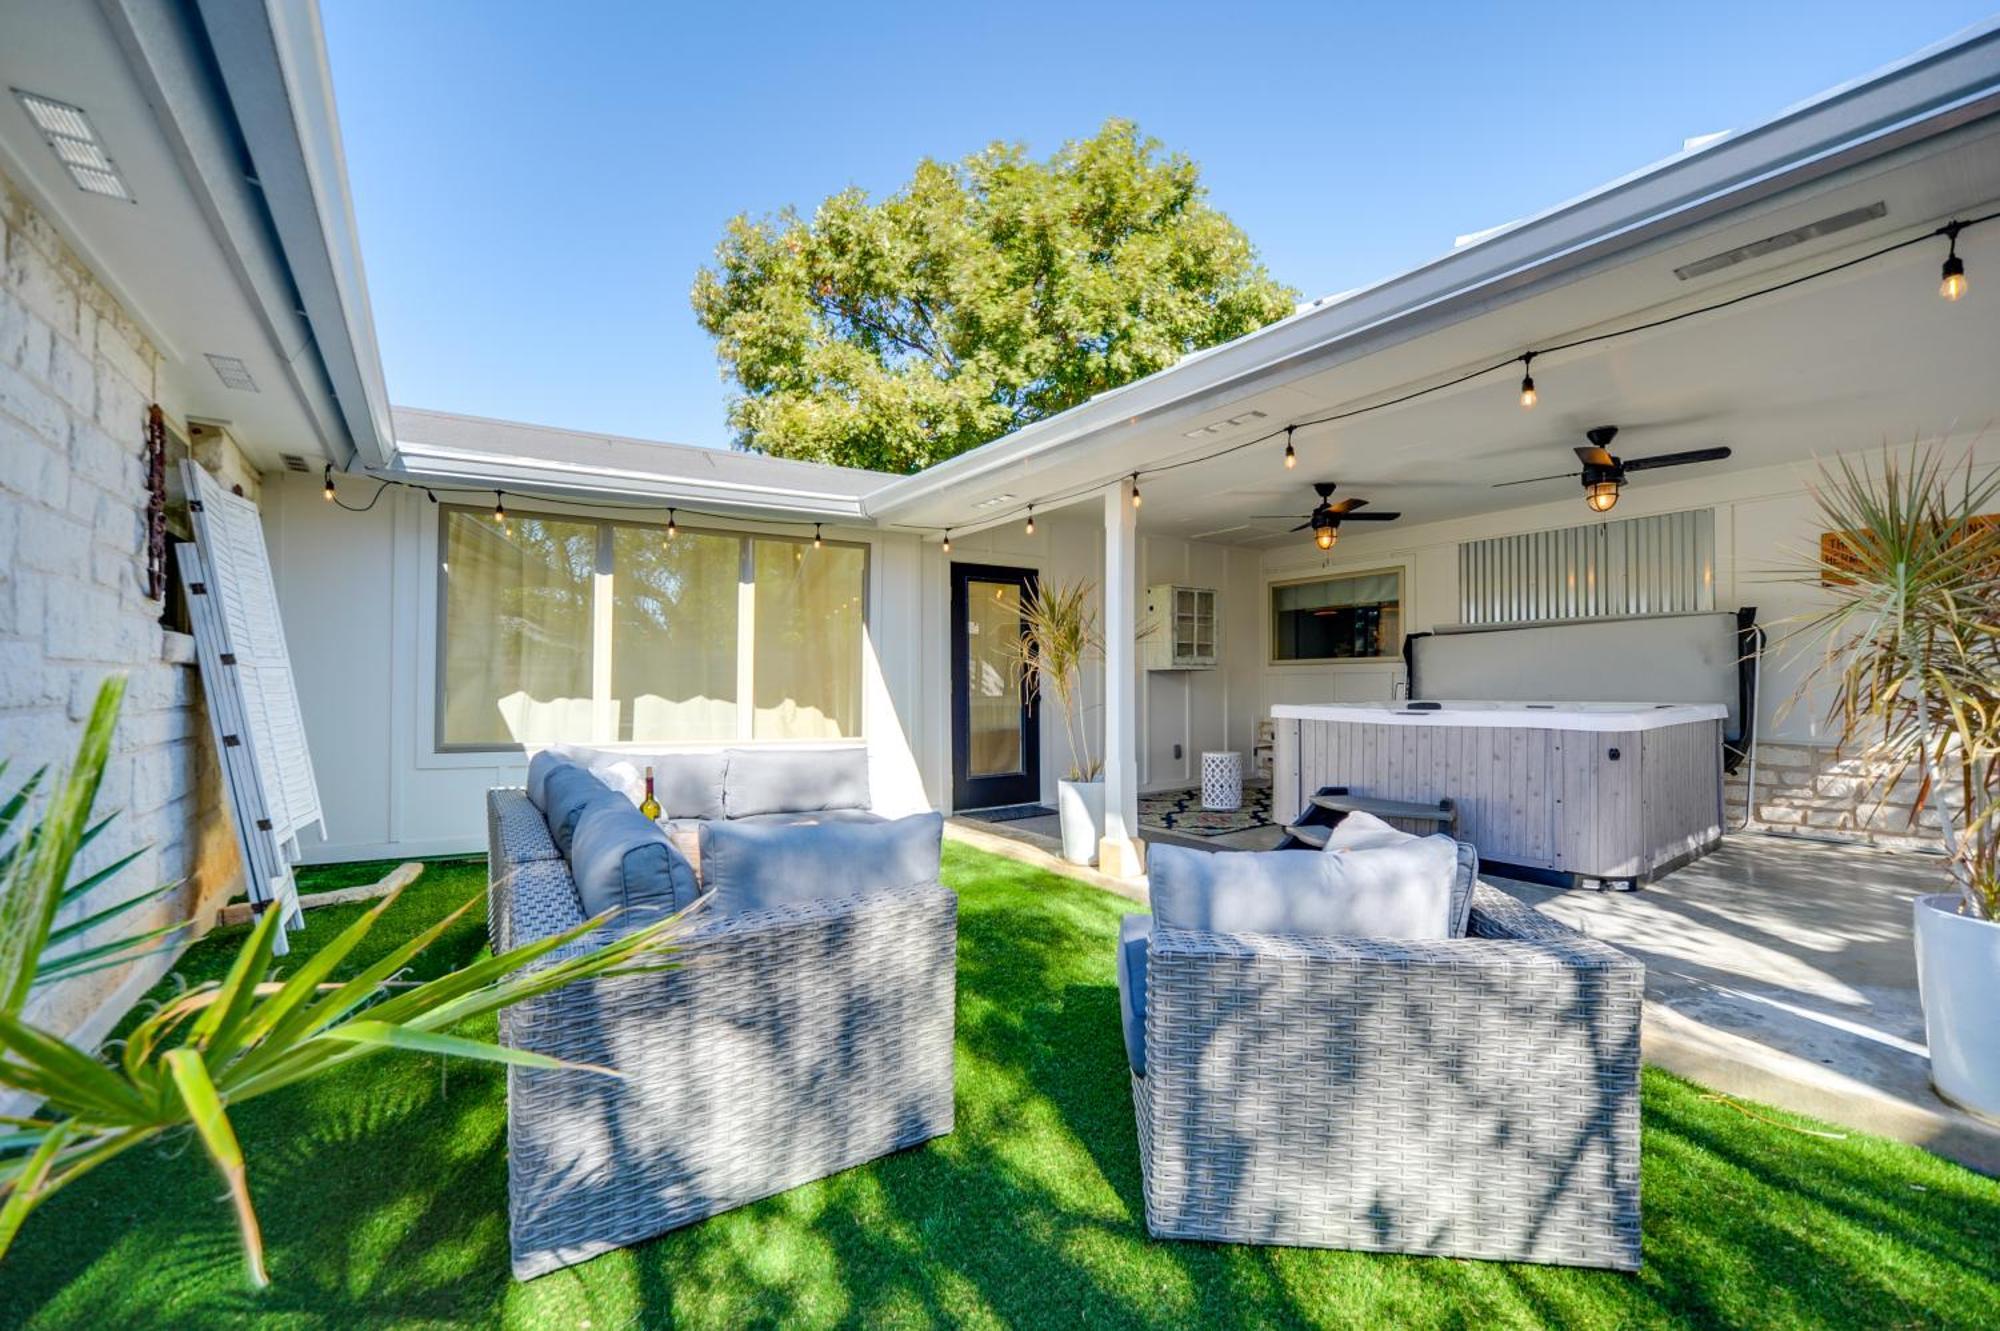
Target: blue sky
537 183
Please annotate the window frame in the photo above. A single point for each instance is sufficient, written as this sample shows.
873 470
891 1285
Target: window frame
1394 656
601 611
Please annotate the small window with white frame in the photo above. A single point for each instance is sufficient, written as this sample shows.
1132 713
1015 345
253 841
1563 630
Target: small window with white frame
1338 617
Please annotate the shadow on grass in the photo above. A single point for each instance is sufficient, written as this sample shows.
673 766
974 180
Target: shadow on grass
382 1191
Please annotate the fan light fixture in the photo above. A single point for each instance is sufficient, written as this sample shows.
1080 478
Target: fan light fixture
1602 496
1325 535
1953 286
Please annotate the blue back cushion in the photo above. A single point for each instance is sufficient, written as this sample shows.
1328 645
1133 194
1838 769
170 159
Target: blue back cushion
539 769
568 789
621 859
1400 891
1135 932
795 781
761 866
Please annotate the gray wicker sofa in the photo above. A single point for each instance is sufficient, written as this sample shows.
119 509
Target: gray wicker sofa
789 1043
1474 1095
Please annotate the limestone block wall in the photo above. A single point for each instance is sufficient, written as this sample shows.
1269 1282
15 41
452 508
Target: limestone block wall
1812 790
76 378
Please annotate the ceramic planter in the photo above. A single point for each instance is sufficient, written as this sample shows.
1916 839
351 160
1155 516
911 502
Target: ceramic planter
1958 973
1081 806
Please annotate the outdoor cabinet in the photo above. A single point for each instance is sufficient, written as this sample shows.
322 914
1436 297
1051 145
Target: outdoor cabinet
1181 628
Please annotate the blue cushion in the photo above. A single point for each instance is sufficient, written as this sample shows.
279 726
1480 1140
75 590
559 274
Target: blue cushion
795 781
760 865
1134 933
621 859
1401 891
539 768
568 790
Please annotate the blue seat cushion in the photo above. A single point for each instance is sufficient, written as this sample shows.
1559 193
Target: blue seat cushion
794 781
621 859
765 865
1135 932
568 790
1399 891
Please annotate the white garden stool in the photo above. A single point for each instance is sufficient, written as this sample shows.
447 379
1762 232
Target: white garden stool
1222 781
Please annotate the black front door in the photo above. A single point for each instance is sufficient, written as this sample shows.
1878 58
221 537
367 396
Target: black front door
996 748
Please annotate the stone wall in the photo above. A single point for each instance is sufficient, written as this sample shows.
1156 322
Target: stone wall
1811 790
76 378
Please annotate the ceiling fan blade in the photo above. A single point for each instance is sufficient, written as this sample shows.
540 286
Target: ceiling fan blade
1537 480
1371 517
1676 459
1302 526
1347 506
1275 517
1592 456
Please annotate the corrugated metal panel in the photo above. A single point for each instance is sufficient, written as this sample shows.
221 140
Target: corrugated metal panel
1660 565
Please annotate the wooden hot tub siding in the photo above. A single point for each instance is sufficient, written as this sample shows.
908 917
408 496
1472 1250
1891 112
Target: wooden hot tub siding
1553 801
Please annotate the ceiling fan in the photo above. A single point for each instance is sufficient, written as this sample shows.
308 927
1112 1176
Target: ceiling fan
1326 517
1604 475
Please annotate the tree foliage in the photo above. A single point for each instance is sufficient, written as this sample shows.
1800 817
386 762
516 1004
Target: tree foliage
981 296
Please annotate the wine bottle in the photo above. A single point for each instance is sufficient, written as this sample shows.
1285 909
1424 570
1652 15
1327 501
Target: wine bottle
650 806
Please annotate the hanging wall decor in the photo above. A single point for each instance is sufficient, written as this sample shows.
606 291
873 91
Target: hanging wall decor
156 504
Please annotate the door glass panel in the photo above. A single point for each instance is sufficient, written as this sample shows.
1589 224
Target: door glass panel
993 685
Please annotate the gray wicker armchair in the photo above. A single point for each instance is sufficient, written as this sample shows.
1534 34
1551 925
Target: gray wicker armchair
786 1045
1474 1097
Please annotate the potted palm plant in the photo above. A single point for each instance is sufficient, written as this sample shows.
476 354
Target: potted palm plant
1910 639
1059 636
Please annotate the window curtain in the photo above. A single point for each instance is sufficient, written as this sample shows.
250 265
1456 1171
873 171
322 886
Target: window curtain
516 657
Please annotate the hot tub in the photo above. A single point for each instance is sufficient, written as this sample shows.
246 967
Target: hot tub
1572 793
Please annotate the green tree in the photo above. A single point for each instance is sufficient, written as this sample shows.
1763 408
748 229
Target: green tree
978 298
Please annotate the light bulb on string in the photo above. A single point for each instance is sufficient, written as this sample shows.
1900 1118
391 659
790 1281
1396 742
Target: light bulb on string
1031 519
1291 454
500 508
1135 489
329 483
1953 285
816 541
673 528
947 540
1529 397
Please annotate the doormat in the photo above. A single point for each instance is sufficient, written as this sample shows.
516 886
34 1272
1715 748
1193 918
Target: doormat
1008 813
1181 811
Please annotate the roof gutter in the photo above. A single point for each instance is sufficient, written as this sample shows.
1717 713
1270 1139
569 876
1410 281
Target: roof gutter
1939 89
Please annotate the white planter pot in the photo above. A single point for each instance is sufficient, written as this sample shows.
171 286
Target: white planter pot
1958 973
1081 806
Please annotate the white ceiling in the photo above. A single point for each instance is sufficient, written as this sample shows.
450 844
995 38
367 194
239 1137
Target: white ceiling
158 255
1842 362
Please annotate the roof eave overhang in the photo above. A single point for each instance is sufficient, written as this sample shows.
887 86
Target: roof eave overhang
426 464
1932 93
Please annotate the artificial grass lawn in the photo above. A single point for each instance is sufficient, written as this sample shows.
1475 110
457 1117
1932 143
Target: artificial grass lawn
383 1196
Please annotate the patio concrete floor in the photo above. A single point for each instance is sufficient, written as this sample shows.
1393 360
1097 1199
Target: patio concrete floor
1777 969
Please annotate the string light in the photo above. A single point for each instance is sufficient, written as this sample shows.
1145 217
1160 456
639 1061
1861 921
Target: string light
1529 397
1291 454
1135 489
1953 286
1031 519
328 492
673 528
428 494
947 540
816 543
499 508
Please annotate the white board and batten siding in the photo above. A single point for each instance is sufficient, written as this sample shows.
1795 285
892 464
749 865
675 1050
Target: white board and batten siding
1548 799
253 703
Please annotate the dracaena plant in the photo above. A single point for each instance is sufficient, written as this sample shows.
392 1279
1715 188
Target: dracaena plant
1059 637
184 1066
1909 642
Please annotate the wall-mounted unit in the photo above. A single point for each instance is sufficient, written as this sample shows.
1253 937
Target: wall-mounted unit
1663 564
1181 628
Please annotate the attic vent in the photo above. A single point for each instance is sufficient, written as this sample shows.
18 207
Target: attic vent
293 462
1219 426
233 372
68 132
1784 240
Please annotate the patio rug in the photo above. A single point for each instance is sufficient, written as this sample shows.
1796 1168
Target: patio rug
1181 811
1009 813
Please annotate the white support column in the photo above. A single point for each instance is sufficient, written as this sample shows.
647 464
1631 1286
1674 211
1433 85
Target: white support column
1121 853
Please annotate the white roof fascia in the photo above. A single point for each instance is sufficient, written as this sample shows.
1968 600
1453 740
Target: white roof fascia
1939 89
272 54
429 463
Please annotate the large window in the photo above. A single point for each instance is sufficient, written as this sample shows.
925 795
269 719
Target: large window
1354 617
569 629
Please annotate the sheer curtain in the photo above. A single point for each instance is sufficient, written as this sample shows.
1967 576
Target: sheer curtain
515 661
673 634
808 640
